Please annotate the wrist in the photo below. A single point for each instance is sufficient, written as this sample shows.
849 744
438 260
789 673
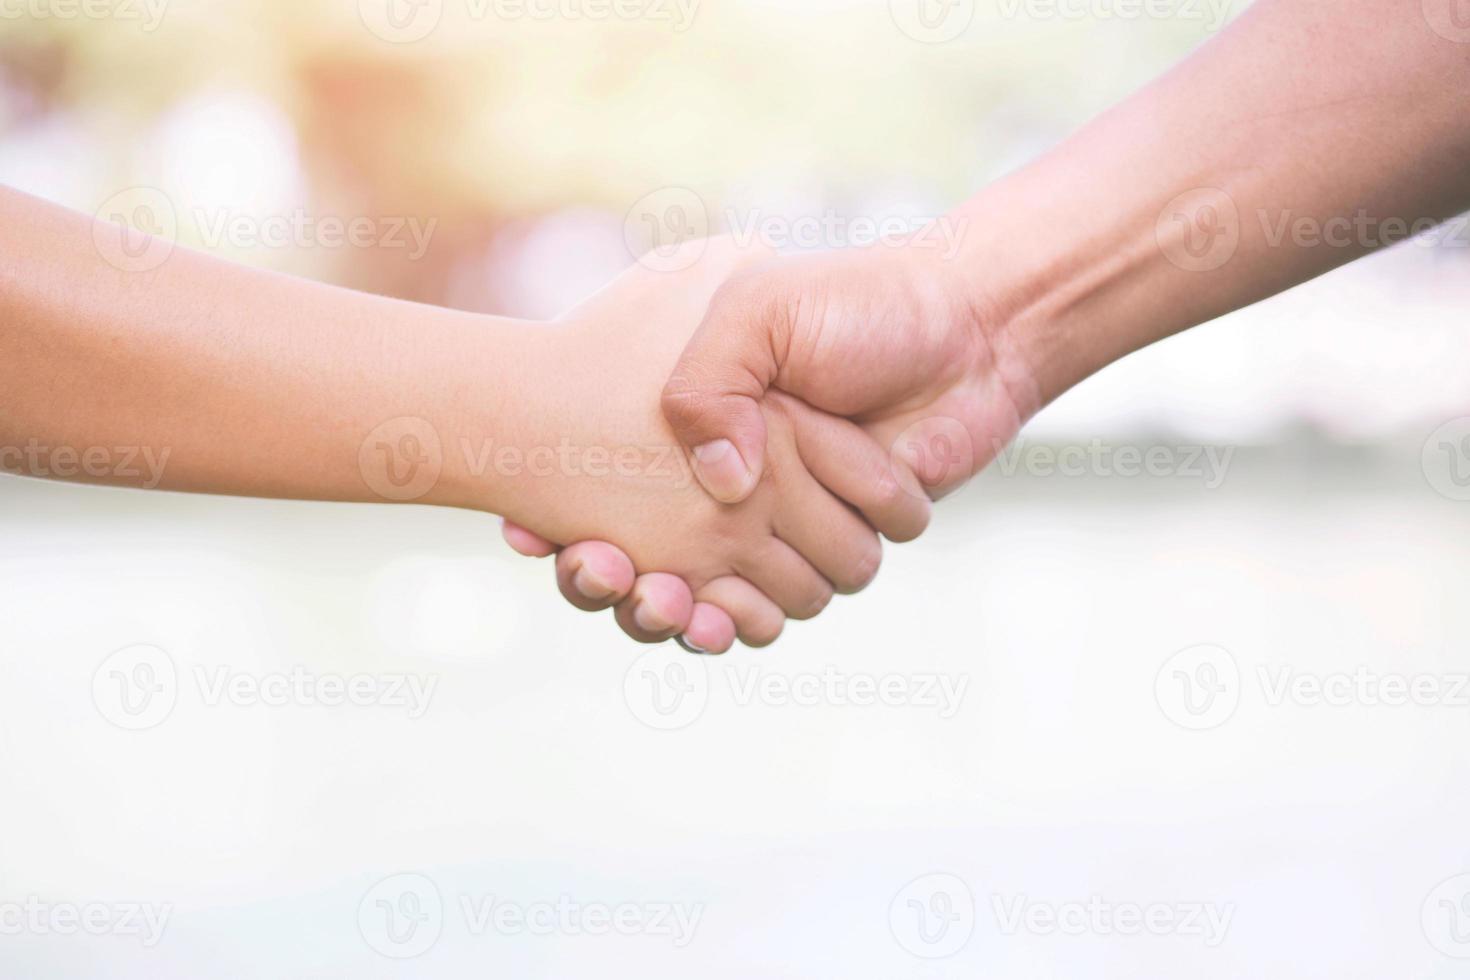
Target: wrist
461 406
1062 287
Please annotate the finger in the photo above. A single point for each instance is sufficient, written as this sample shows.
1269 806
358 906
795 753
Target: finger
593 575
528 543
787 578
758 620
659 607
828 534
857 468
932 456
710 630
712 398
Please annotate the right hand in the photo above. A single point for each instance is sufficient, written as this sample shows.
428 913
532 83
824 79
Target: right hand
893 338
792 542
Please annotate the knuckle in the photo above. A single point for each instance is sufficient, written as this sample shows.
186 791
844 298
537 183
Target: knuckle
863 569
814 603
914 520
888 492
763 632
681 400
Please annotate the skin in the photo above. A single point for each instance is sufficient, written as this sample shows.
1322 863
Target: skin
253 383
1165 212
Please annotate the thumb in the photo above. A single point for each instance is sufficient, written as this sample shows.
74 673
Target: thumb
712 400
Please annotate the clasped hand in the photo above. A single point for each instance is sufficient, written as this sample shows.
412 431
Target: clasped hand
822 400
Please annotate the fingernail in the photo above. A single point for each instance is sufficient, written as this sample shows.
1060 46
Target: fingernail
684 642
648 620
722 470
586 582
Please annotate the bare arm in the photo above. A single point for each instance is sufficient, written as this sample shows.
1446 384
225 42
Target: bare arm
1308 134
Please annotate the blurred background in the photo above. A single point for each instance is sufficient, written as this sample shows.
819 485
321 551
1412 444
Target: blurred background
1147 662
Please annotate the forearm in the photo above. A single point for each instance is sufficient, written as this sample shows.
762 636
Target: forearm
1304 136
204 376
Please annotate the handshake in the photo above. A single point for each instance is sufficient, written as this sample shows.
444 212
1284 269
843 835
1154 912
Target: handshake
820 401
